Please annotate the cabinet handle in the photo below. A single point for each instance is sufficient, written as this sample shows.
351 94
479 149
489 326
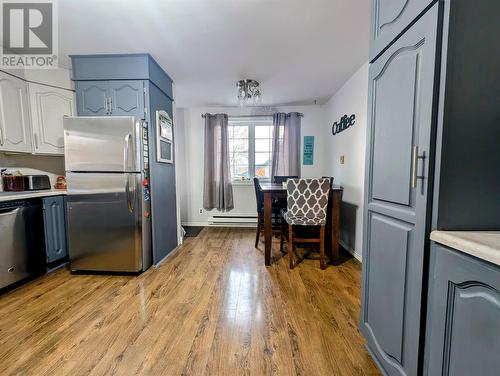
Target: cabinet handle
1 136
36 140
414 166
106 105
110 105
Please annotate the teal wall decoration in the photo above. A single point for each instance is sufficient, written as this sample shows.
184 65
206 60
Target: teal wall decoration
308 158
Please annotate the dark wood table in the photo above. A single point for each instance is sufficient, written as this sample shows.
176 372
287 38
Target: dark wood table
333 219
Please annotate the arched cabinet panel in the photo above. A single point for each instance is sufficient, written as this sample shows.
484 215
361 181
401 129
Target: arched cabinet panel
49 105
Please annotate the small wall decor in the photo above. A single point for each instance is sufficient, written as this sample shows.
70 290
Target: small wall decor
308 157
164 138
344 123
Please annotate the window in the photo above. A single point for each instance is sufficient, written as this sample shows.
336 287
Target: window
250 147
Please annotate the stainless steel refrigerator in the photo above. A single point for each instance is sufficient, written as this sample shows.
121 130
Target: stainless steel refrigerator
108 202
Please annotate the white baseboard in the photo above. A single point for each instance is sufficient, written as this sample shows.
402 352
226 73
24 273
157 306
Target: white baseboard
206 224
355 254
195 224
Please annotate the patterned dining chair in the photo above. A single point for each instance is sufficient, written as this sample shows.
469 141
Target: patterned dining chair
307 201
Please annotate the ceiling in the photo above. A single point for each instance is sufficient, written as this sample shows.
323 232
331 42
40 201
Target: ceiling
299 50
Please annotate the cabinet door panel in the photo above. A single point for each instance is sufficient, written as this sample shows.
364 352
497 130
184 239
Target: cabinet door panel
464 315
473 305
14 115
127 98
401 85
389 18
48 107
393 135
389 241
92 97
55 228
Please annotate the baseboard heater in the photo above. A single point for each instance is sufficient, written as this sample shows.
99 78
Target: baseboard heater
232 220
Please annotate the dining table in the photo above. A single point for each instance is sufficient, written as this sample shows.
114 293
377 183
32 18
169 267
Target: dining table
332 235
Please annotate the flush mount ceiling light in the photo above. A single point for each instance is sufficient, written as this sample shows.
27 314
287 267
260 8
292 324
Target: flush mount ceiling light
248 92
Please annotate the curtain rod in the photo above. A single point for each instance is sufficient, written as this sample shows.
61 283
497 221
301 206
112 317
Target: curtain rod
251 116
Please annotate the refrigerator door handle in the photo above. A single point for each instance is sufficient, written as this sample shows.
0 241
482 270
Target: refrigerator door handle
126 152
130 202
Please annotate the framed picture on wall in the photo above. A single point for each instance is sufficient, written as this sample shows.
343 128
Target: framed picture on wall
164 138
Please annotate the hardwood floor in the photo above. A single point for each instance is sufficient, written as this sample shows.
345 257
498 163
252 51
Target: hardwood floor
213 308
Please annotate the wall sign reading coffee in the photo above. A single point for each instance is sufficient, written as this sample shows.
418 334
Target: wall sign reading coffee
344 123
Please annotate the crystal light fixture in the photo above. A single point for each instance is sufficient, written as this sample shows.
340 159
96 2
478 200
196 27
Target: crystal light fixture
248 92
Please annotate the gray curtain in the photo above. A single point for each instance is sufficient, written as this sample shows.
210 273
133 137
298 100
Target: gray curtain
217 188
286 144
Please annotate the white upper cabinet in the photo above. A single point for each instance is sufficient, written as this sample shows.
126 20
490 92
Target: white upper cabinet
49 105
15 130
59 77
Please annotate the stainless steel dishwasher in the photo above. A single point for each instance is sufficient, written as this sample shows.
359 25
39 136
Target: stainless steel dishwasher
22 243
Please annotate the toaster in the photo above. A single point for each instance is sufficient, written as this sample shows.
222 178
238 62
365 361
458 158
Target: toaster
13 183
36 182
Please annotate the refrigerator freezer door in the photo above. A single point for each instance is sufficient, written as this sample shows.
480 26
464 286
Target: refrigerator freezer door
105 222
102 144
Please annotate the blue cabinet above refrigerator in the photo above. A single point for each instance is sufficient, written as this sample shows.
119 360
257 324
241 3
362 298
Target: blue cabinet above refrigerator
134 85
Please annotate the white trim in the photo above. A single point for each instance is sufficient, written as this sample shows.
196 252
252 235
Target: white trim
251 124
180 237
194 224
206 224
234 225
242 183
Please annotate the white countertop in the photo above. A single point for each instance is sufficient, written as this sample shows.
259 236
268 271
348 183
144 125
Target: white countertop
481 244
9 196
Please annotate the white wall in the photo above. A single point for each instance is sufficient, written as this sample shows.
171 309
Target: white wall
317 121
190 136
351 143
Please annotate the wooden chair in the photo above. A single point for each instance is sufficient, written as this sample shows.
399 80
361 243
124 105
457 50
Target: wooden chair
281 201
331 180
282 179
259 198
307 204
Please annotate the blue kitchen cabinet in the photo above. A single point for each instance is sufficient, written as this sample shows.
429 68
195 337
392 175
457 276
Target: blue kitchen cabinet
127 98
431 163
110 98
390 18
463 315
134 85
55 228
92 98
395 209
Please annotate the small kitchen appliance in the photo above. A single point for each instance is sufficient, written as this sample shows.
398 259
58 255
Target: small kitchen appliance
12 182
36 182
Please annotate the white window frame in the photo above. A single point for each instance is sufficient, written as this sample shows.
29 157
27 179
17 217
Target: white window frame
251 122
